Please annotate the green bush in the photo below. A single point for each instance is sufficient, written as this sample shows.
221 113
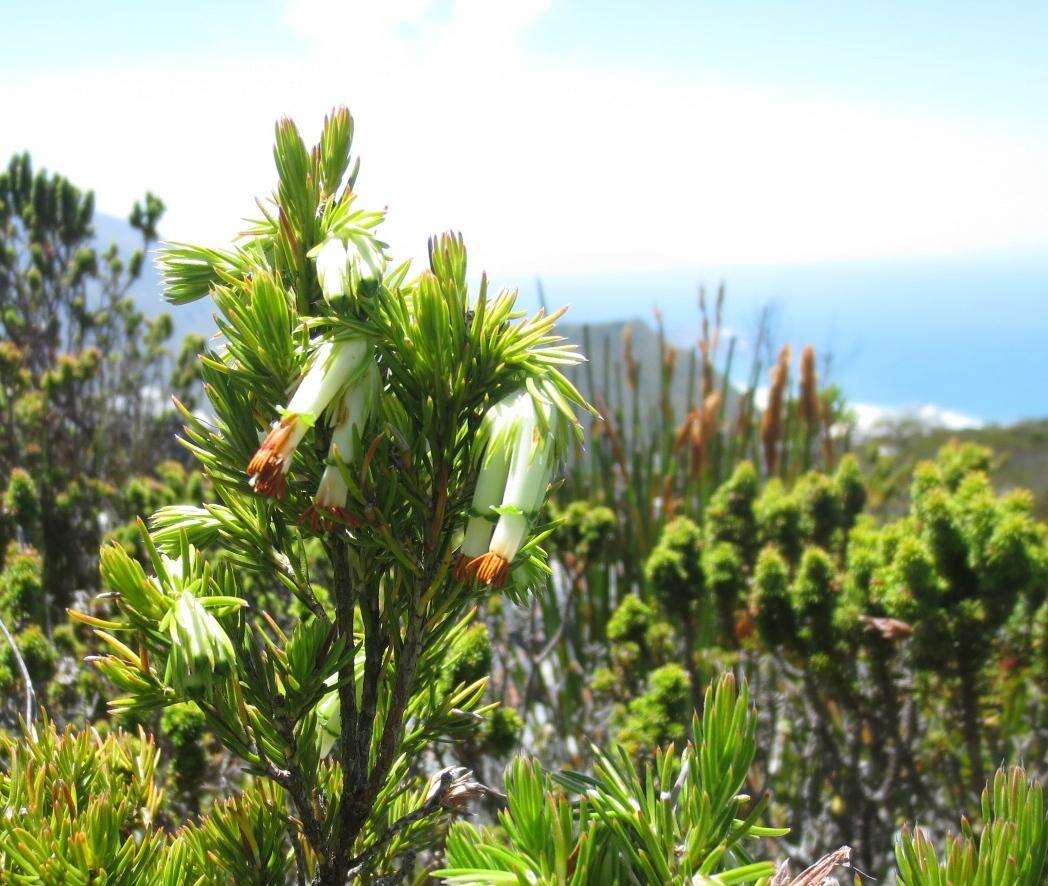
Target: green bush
21 586
660 714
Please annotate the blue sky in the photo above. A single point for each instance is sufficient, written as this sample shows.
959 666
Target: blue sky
606 143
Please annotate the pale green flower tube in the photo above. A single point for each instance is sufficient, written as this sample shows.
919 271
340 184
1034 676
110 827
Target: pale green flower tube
498 429
529 438
333 365
355 409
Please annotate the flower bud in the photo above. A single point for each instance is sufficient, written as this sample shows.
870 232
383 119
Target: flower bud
200 649
331 268
342 263
329 720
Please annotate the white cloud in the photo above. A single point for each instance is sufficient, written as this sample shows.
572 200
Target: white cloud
547 166
870 416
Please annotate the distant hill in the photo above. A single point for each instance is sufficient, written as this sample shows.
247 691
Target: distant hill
1021 450
148 291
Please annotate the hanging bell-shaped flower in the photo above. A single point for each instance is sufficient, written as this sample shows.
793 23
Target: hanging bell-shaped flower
497 428
355 407
334 365
524 435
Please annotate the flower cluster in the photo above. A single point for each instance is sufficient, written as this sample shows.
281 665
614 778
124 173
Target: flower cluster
524 433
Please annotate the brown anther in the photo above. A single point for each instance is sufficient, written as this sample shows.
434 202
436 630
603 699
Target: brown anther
270 480
490 569
461 569
269 466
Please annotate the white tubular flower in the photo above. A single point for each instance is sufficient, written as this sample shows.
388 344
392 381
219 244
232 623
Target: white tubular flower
356 407
498 425
332 260
530 439
334 365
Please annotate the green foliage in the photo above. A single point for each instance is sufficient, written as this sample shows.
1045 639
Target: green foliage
77 804
586 530
183 726
679 818
729 513
987 554
21 586
726 581
631 622
37 653
674 568
502 731
850 490
779 518
241 840
79 359
771 599
469 660
821 509
658 715
1009 849
812 600
22 502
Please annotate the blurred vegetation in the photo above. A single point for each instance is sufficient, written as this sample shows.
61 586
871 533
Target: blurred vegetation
87 427
888 610
1020 457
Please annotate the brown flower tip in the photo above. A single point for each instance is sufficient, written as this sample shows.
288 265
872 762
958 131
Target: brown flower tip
268 467
268 478
771 422
745 626
632 366
492 569
462 570
684 431
319 518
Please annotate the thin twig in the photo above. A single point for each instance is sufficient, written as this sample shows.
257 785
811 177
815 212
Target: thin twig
30 693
